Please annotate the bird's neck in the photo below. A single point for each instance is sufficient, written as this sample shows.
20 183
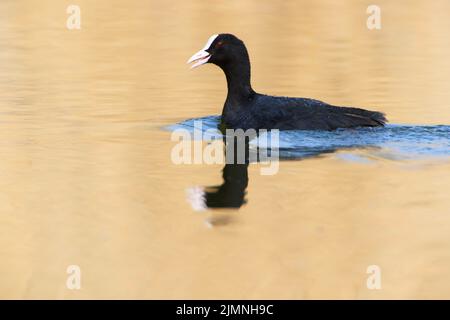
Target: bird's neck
238 82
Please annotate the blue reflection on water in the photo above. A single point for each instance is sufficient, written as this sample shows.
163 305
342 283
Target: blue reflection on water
394 141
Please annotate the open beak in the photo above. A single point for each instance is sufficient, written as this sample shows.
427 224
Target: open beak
199 58
202 56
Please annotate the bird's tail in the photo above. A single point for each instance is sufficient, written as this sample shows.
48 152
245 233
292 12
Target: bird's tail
355 117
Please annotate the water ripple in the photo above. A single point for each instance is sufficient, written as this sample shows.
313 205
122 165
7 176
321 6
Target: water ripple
394 141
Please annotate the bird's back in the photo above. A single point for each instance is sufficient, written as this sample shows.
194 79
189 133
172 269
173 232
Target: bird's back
284 113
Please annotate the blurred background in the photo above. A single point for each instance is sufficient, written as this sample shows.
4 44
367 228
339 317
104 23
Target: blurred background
86 177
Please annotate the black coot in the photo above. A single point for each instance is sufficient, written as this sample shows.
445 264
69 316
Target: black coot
246 109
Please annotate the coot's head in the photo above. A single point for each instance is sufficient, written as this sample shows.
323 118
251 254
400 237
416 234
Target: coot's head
221 49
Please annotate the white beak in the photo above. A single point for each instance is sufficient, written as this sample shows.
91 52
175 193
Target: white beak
199 58
202 56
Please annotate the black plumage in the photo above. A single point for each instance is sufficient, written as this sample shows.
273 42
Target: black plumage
244 108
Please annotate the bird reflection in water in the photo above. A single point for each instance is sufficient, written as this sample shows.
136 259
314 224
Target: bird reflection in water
231 194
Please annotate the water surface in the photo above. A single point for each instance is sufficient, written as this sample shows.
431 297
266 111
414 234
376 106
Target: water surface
86 176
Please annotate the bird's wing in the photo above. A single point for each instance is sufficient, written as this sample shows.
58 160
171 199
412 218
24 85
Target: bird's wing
303 113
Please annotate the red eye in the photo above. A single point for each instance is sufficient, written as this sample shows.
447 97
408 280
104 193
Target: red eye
218 44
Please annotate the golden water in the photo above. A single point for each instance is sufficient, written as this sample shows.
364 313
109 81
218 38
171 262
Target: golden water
86 177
